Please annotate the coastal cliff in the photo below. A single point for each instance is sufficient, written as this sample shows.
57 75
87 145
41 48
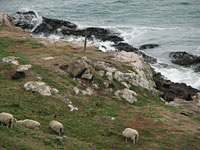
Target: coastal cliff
95 95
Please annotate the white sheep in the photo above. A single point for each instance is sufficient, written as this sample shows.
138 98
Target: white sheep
131 133
6 119
56 126
27 123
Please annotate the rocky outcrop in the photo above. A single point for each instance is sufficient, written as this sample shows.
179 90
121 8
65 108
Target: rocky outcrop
184 58
40 87
76 67
126 94
6 19
148 46
142 73
174 90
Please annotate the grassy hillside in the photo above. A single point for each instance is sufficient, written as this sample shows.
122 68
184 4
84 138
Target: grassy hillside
90 128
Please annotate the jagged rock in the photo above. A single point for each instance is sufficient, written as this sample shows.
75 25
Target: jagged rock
11 59
77 67
24 67
121 46
148 46
172 90
87 75
6 19
109 76
39 87
126 94
184 58
100 65
18 75
101 73
76 90
142 74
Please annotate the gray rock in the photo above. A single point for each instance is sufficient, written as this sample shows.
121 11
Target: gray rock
126 94
11 59
6 19
109 76
24 67
87 75
77 67
76 90
39 87
101 73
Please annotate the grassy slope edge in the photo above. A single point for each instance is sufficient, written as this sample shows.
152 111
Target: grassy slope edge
161 127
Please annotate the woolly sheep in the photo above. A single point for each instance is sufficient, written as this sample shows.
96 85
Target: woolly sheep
27 123
131 133
56 126
6 119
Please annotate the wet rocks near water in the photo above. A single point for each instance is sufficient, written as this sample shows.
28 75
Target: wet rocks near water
172 90
18 75
46 26
184 58
40 87
148 46
6 19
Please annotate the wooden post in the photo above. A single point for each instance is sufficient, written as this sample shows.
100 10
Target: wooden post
85 43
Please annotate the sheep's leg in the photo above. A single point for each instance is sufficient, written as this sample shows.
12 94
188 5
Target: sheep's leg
126 139
133 139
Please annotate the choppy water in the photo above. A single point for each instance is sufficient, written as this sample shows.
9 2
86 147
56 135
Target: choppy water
175 25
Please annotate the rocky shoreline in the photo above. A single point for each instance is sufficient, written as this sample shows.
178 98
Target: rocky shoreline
47 26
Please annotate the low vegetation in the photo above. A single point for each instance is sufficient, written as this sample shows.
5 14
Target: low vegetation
91 127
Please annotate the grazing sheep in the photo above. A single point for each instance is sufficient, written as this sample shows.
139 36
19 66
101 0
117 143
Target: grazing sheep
6 119
56 126
27 123
131 133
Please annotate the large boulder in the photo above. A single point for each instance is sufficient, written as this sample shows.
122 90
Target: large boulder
5 19
141 74
77 67
40 87
126 94
173 90
184 58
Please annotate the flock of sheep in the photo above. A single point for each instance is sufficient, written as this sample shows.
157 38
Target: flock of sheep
8 120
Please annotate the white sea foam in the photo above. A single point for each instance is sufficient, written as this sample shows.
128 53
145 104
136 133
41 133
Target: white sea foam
180 75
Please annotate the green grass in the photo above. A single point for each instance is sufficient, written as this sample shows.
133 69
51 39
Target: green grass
89 128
